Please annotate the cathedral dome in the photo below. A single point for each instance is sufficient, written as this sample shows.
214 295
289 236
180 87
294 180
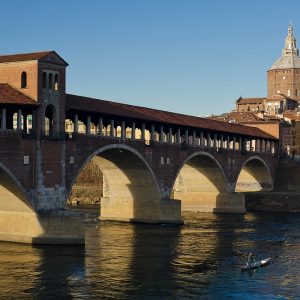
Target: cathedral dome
287 62
290 54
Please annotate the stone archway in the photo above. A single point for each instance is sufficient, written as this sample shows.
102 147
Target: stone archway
201 186
254 176
130 189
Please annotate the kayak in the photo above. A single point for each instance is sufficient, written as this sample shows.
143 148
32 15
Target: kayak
256 264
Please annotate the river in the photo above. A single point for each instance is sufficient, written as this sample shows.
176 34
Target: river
138 261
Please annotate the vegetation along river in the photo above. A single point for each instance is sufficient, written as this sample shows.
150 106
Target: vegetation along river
198 260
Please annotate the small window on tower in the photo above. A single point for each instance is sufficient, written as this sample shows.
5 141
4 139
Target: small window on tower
289 93
23 80
50 82
44 80
56 82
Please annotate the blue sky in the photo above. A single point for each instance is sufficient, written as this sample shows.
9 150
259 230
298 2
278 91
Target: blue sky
189 56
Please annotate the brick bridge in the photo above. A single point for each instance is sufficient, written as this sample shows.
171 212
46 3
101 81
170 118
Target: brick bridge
154 163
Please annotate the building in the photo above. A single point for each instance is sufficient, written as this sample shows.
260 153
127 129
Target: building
276 114
284 74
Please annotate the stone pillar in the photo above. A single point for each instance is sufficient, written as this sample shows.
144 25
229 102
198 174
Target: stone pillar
88 125
152 134
256 145
75 123
208 140
273 147
201 139
228 142
100 126
143 131
133 130
262 145
186 136
3 118
234 142
19 120
170 135
123 130
222 141
161 134
112 128
215 144
194 137
178 136
33 122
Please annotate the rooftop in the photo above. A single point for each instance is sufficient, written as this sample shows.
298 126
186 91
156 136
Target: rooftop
250 100
79 103
29 56
9 95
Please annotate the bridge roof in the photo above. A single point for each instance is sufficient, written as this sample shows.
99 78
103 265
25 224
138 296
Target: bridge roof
86 104
9 95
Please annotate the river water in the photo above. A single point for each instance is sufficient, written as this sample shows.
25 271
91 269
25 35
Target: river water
137 261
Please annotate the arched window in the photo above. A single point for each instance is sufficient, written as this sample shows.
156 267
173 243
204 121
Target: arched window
56 82
50 82
50 121
23 80
44 80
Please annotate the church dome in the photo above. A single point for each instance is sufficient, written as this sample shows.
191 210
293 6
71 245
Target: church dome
287 62
290 54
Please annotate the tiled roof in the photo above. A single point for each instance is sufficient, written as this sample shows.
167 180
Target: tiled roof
28 56
250 100
240 117
9 95
23 56
79 103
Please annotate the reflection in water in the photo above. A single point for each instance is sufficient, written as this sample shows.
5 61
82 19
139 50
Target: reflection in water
138 261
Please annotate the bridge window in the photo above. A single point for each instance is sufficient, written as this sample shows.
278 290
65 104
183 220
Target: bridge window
44 80
50 82
50 121
23 80
56 82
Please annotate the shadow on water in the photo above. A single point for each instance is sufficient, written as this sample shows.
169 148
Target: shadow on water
42 272
139 261
61 272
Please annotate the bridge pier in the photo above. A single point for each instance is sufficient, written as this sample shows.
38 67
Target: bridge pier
156 212
57 227
211 202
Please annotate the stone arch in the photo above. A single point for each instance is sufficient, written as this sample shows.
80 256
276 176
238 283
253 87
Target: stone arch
13 197
254 176
130 189
50 120
200 183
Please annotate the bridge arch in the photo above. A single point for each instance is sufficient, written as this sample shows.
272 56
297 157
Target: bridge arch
200 183
254 175
13 197
130 188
